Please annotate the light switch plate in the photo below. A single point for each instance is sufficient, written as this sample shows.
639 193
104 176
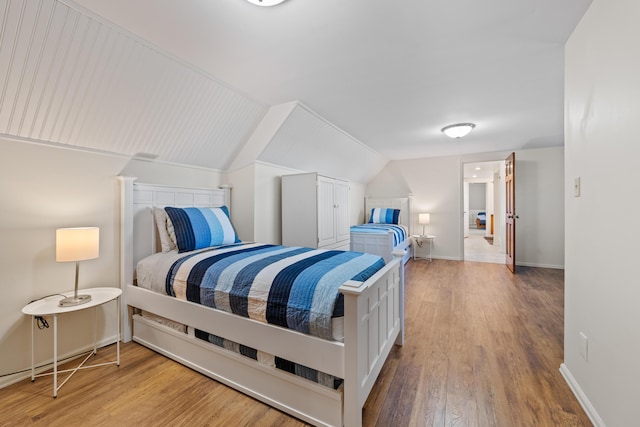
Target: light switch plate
576 187
584 346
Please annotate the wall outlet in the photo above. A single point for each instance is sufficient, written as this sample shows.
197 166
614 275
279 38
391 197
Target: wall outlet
584 346
576 187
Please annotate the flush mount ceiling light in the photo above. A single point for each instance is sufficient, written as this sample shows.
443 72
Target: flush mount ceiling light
265 2
458 130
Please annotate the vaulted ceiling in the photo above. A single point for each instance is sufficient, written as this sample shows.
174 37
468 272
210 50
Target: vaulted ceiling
193 81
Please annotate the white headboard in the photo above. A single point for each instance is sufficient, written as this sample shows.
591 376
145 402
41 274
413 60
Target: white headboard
405 204
146 196
138 235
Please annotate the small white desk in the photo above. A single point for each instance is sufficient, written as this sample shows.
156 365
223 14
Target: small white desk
419 241
49 307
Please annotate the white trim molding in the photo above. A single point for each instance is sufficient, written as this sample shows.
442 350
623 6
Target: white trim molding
582 398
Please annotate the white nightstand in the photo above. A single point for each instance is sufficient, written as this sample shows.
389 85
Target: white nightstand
419 242
49 307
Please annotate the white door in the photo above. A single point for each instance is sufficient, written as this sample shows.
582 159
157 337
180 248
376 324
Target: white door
341 198
466 209
326 212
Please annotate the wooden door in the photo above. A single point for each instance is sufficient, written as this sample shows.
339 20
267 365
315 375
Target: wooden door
510 172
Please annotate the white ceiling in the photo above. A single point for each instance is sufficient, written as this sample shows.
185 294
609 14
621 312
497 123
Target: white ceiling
481 171
391 74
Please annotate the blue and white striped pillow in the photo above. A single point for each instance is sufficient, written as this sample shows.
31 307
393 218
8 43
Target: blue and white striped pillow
198 228
384 216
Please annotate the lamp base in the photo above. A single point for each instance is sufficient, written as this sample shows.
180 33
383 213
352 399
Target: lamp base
77 300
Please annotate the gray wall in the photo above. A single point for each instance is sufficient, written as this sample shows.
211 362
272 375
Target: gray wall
477 196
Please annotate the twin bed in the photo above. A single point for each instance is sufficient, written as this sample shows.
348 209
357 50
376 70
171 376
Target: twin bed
306 331
384 231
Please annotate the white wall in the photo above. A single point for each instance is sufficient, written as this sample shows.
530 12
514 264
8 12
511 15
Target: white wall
477 196
499 207
243 201
268 214
489 208
436 187
436 184
602 291
256 201
540 206
357 193
43 188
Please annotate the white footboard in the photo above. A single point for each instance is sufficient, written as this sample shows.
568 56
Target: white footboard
374 322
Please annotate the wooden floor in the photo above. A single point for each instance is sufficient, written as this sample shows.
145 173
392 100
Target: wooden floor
483 348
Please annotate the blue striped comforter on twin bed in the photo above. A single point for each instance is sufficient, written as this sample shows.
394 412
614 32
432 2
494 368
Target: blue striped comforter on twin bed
293 287
399 233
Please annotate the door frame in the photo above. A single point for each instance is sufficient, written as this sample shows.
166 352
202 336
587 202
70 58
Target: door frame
462 203
511 216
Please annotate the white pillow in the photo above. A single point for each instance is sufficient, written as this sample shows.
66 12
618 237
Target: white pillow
165 230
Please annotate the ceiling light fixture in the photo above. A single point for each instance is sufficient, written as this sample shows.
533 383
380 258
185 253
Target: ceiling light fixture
265 2
458 130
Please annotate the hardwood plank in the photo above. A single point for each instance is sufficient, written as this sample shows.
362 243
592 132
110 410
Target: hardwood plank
483 348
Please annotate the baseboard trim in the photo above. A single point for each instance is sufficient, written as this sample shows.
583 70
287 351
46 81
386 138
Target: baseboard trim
582 398
48 364
447 258
534 264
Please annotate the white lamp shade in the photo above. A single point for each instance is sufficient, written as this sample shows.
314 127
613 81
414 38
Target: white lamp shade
458 130
77 244
424 218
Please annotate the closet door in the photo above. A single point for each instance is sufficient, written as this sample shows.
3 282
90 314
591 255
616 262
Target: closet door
341 194
326 211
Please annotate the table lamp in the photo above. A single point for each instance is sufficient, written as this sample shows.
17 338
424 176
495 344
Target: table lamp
77 244
424 219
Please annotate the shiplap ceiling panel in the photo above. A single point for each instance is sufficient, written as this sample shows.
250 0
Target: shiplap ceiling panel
389 73
191 83
68 78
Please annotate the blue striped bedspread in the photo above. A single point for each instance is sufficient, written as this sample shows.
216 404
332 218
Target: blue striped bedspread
399 232
293 287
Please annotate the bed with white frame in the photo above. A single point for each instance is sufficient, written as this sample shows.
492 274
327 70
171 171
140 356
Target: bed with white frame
382 244
373 323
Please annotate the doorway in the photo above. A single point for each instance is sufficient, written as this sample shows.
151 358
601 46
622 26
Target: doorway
484 206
